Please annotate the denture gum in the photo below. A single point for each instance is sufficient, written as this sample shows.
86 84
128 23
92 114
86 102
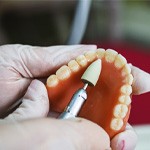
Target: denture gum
109 102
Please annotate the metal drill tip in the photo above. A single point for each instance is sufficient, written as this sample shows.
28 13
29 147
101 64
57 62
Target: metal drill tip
85 86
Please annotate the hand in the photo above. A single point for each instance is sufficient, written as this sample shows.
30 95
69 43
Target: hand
19 65
127 140
17 74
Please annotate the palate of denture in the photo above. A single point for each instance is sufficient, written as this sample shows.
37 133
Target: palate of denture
109 102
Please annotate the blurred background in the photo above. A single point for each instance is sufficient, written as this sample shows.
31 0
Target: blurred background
123 25
49 22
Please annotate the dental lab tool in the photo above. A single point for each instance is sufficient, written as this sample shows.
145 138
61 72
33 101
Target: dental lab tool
89 78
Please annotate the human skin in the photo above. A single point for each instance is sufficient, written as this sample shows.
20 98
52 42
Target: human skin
20 65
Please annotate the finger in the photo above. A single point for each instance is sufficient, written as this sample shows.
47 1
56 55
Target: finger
54 134
35 103
141 82
125 140
79 134
10 92
41 61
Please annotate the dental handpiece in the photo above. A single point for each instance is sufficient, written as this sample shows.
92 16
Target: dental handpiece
90 77
75 104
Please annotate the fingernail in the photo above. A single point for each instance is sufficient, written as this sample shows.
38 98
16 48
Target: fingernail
126 140
121 145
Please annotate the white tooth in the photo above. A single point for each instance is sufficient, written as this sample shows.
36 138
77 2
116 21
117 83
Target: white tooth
120 61
63 73
126 70
90 56
82 61
120 110
100 53
126 89
125 99
128 79
116 124
74 66
52 81
110 55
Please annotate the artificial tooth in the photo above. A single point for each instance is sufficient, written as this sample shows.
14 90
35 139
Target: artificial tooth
125 99
52 81
129 79
126 89
120 110
120 61
126 70
63 73
90 56
100 53
82 61
74 66
116 124
110 55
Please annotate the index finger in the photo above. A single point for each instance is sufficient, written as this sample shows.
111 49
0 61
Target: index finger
42 61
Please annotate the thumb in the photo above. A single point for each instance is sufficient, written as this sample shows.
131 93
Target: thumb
125 140
35 103
141 82
54 134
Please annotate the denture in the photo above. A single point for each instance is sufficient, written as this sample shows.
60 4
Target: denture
109 102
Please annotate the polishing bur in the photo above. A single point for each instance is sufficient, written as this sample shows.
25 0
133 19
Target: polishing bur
92 73
90 77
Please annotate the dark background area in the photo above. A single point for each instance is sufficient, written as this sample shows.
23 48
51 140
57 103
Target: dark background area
49 22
